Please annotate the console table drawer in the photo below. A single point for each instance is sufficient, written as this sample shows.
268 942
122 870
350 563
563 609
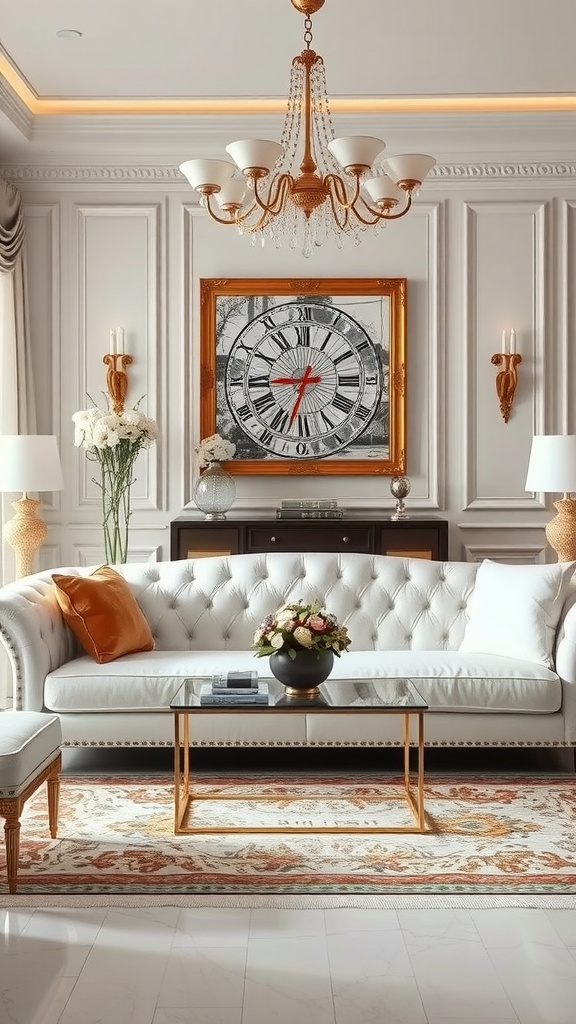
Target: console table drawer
304 537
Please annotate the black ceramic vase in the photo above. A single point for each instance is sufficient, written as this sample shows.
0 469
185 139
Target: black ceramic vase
303 674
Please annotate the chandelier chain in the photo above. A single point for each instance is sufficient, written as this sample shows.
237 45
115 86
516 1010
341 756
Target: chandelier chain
308 32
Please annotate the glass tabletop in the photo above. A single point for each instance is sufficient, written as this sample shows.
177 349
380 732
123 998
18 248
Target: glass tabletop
393 694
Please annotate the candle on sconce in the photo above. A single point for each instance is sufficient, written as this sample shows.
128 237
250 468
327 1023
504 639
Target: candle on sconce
120 340
112 349
503 342
512 341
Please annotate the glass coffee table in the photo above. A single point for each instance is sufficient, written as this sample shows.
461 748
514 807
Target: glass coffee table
389 696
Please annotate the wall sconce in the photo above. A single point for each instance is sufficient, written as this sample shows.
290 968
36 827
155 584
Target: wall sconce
116 377
507 377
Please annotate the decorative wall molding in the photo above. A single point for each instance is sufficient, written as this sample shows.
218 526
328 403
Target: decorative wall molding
87 555
148 344
164 174
517 554
487 229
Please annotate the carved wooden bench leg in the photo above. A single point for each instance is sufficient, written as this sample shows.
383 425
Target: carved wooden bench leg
53 786
11 810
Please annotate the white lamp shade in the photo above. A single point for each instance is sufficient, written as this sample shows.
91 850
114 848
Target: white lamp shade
232 192
255 153
30 462
207 172
356 149
408 166
382 188
552 465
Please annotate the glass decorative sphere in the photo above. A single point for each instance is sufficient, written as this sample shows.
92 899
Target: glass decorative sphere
214 491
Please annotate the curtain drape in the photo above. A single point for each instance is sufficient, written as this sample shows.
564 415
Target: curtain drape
17 402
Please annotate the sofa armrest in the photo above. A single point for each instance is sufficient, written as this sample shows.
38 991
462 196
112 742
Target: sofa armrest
565 663
35 636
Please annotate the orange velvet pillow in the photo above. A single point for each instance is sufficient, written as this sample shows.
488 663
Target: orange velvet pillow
103 614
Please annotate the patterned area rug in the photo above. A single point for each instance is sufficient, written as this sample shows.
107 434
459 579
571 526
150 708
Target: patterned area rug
509 836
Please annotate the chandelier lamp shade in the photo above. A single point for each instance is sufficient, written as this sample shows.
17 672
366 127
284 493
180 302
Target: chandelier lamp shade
341 186
552 469
28 462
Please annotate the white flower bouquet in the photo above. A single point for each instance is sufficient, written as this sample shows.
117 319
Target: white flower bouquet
296 627
214 449
114 440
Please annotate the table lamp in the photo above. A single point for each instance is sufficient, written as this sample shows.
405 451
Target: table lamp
552 468
28 462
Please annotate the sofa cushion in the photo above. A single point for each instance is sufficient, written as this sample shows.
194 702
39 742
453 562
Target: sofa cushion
448 680
514 610
103 614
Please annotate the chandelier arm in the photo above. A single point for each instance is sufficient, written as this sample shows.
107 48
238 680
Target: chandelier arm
383 214
277 194
336 184
340 210
215 216
239 218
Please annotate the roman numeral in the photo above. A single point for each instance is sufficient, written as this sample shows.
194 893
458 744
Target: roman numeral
244 412
342 403
303 427
263 403
279 421
258 381
349 380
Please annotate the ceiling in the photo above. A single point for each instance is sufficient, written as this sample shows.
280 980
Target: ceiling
168 79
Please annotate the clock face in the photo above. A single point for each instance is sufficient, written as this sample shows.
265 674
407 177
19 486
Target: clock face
303 380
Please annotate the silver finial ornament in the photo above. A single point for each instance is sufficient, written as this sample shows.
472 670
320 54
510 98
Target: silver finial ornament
400 489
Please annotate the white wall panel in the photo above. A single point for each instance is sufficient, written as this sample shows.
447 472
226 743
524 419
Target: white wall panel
505 287
118 286
408 249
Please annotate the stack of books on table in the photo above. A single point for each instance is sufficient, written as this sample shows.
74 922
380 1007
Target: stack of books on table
234 688
313 508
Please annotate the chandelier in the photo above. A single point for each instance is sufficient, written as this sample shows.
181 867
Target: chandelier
304 207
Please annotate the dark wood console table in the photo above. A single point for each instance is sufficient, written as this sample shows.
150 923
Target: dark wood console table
416 537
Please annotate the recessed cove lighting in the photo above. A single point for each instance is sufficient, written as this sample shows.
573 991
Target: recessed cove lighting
69 33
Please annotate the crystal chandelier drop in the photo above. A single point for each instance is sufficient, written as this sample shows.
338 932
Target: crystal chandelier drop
304 207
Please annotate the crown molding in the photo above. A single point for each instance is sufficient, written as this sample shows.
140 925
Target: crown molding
59 174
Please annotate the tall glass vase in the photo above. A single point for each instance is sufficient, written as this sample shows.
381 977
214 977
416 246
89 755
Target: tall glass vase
214 491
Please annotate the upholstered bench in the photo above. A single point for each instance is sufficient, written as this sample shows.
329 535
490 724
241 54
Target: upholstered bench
29 755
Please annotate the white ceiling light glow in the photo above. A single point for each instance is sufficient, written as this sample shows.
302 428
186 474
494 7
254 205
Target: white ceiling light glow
340 187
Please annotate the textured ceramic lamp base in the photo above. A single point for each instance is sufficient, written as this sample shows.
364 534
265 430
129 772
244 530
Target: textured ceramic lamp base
25 533
561 531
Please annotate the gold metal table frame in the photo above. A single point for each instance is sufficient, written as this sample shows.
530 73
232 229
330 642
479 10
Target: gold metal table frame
185 796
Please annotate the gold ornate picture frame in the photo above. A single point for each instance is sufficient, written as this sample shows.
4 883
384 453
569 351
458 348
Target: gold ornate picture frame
306 377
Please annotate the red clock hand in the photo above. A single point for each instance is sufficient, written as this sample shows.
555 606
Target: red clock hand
302 383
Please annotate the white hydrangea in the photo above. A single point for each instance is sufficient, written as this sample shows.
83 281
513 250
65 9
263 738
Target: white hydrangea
214 449
95 429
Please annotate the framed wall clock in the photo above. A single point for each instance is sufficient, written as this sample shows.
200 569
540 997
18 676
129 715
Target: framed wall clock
307 377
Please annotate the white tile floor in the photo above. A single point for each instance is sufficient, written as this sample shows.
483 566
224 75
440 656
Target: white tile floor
167 965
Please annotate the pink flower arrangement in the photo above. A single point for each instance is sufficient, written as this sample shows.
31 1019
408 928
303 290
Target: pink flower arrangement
296 627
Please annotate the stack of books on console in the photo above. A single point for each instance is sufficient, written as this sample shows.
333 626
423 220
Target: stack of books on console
234 688
313 508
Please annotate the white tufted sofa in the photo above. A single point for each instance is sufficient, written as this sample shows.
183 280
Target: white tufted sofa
405 617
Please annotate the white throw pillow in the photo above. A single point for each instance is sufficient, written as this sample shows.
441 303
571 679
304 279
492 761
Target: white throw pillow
514 610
